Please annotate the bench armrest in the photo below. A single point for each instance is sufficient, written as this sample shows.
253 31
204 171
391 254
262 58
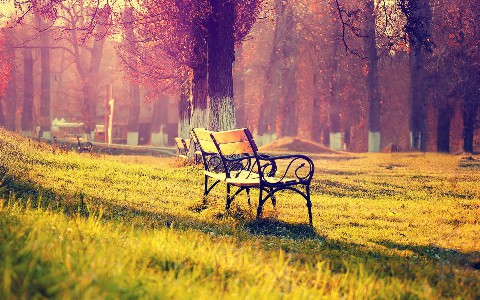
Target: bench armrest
294 168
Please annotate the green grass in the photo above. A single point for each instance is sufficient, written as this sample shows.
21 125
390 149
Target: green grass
387 226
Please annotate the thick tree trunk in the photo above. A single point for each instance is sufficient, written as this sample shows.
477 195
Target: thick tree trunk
27 112
372 79
444 120
220 61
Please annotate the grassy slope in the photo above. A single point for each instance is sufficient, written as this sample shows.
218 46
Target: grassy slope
386 225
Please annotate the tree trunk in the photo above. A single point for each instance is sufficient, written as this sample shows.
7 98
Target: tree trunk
317 120
133 114
288 58
27 112
45 122
134 104
470 112
92 79
159 122
335 136
419 18
199 118
2 116
418 115
45 86
444 120
220 60
372 79
11 97
239 87
184 112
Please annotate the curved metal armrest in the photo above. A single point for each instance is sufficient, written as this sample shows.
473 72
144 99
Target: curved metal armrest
239 163
298 167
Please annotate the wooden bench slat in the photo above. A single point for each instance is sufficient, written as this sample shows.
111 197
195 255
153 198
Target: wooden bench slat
231 136
205 140
236 148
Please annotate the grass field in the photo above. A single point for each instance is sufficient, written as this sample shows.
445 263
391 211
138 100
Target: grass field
386 226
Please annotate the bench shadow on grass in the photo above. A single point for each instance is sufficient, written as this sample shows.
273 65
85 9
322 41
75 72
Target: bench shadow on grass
436 254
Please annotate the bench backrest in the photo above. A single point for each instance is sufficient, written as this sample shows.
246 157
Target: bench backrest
234 142
182 143
204 140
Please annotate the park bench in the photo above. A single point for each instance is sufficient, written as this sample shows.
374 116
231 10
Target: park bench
184 149
83 146
213 168
242 166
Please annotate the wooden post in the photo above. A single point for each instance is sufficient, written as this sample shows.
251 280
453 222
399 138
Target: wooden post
107 111
111 103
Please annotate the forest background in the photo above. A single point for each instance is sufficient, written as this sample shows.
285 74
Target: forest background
354 75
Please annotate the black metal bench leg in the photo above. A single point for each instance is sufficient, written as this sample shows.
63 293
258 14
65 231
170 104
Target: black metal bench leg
248 194
261 201
309 206
205 191
229 199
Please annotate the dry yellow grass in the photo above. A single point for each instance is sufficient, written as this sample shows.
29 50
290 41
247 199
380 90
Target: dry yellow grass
389 226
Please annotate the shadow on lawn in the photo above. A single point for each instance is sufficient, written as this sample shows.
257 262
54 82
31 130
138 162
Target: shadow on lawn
300 240
273 227
441 255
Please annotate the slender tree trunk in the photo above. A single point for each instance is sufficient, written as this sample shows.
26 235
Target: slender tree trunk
239 87
317 120
444 120
418 115
11 97
470 113
419 18
268 109
372 79
287 124
220 60
45 122
184 111
2 116
335 136
199 116
45 86
27 112
134 105
133 114
92 79
159 122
